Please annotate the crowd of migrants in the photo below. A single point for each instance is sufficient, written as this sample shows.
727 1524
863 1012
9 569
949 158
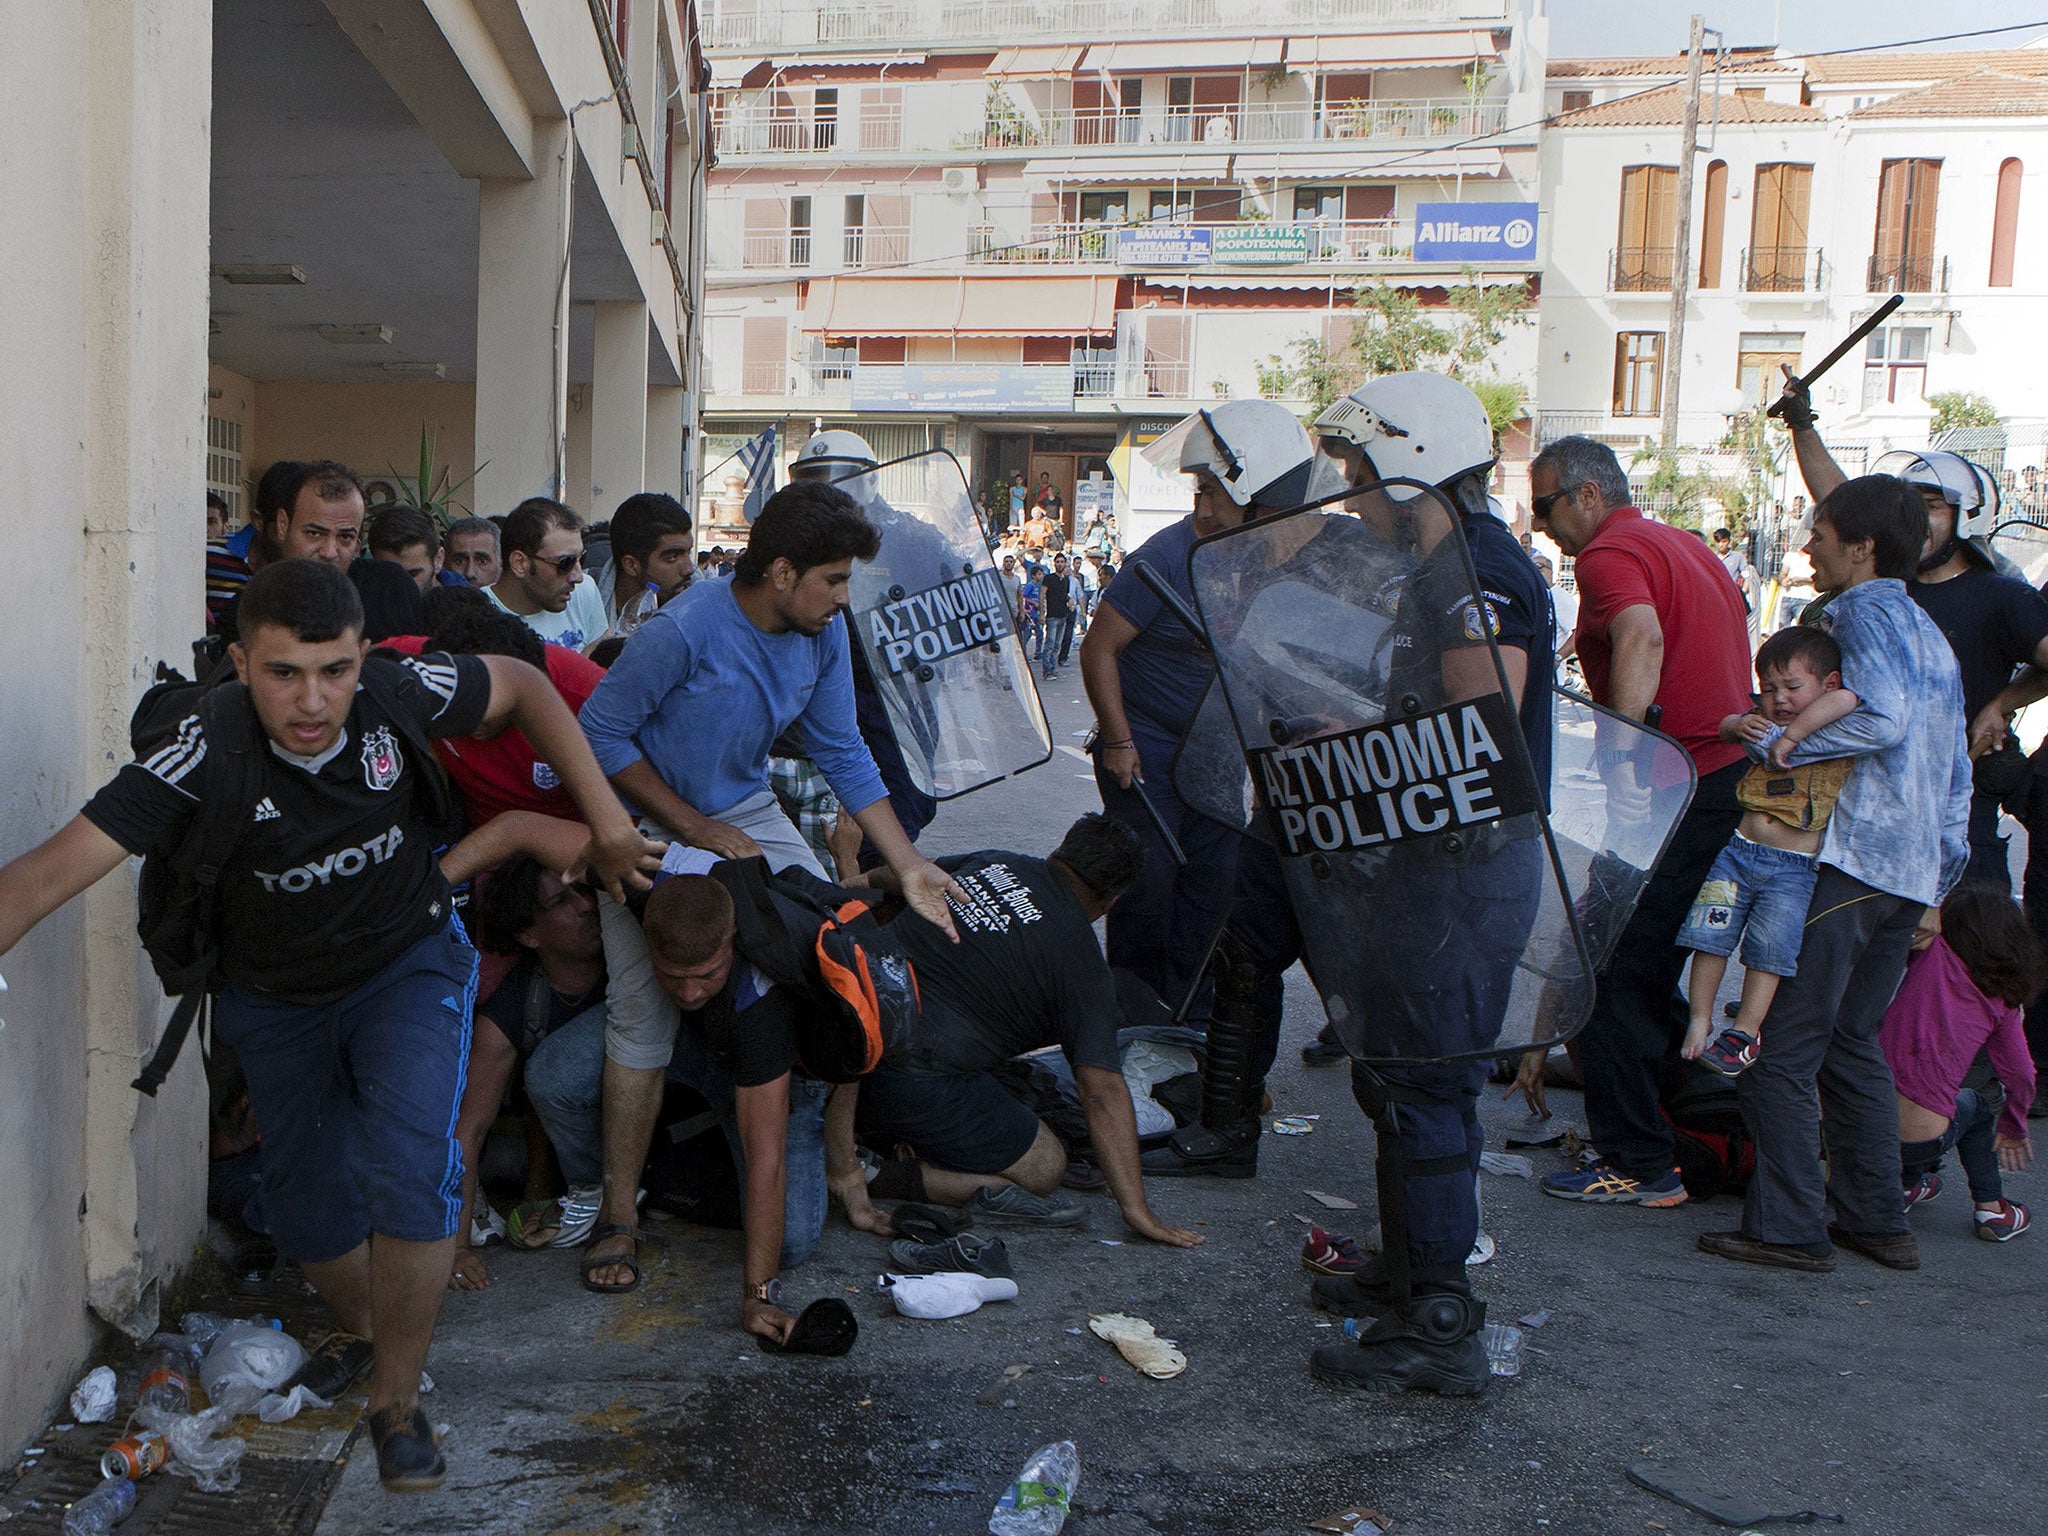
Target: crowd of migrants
665 764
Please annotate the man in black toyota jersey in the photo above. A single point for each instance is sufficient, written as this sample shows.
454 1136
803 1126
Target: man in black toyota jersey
348 980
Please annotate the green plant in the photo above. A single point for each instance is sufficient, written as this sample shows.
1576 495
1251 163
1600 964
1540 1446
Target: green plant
431 490
1486 314
1961 408
1676 491
1506 402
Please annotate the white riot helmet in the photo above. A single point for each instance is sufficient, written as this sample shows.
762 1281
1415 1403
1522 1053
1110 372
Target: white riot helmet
1255 449
1970 490
1419 426
829 455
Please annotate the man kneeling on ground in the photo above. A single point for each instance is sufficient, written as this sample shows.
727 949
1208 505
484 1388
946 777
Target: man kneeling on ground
1027 973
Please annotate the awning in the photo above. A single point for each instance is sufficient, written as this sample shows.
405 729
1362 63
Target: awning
1185 55
1250 280
730 69
1390 50
1147 171
1037 63
847 60
1360 163
961 306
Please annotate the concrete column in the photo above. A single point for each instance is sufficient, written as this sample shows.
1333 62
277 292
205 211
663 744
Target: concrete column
667 421
522 326
618 405
576 484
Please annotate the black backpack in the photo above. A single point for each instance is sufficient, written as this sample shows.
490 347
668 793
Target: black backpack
178 899
806 933
1713 1145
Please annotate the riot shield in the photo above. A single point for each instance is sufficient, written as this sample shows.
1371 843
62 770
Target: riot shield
934 623
1359 670
2026 546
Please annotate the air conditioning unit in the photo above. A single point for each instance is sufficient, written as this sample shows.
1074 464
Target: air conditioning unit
958 180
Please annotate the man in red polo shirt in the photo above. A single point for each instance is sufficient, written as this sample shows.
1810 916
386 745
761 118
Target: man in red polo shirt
1660 624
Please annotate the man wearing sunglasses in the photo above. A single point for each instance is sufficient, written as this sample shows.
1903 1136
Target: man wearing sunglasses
541 581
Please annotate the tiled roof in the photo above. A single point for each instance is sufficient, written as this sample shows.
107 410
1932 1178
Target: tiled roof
1665 107
1656 64
1908 68
1985 94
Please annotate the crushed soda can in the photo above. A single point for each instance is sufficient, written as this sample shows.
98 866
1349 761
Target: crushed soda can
135 1456
1292 1125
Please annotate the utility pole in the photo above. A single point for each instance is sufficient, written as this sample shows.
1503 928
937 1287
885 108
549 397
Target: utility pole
1681 253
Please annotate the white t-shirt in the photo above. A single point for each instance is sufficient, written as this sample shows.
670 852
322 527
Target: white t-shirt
575 626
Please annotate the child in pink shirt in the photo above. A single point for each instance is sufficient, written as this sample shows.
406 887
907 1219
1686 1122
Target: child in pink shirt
1976 965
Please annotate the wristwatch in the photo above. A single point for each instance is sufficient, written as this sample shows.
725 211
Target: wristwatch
768 1292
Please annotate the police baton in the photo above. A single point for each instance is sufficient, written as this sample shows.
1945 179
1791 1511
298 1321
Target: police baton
1805 380
1180 858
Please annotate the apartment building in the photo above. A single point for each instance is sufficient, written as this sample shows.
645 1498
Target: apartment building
1822 185
242 231
1037 233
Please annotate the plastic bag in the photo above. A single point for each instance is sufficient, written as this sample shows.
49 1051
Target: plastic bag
250 1353
215 1465
92 1400
277 1407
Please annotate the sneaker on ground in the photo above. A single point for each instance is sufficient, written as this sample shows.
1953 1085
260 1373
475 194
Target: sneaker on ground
408 1456
1331 1253
1012 1202
1730 1052
1598 1182
579 1215
2003 1224
486 1227
1920 1193
335 1364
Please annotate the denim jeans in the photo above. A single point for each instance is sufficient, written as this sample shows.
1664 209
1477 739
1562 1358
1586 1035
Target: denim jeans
1973 1134
1059 639
565 1082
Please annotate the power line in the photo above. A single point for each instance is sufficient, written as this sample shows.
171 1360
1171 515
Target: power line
1477 140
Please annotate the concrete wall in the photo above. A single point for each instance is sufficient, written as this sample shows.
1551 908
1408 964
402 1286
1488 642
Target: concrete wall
101 430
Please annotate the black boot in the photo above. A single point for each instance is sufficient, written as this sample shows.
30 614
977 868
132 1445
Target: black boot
1368 1292
1225 1144
1431 1345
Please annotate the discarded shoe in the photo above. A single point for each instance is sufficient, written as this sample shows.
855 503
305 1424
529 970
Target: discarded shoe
948 1295
967 1254
1331 1253
334 1365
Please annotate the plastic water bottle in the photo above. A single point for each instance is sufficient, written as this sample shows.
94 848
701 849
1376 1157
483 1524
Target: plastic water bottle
167 1384
1036 1504
101 1510
640 610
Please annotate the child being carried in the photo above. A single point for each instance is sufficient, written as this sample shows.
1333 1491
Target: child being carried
1758 890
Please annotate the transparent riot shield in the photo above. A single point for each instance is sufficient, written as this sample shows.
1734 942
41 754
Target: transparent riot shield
2026 546
1358 667
934 623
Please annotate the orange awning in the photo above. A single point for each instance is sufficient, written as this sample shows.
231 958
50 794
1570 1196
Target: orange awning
961 306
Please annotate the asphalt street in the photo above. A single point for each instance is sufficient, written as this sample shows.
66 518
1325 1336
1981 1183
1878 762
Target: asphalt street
1904 1403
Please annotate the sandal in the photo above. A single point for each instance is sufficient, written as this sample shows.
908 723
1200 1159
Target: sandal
534 1224
631 1260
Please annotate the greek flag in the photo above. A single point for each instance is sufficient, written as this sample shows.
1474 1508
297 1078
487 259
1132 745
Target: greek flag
757 458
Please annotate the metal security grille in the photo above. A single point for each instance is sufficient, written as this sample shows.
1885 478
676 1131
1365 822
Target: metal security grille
224 464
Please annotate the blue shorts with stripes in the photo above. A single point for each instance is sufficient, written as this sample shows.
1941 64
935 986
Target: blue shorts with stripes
355 1101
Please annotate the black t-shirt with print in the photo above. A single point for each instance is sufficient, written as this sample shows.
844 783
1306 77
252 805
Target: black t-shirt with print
335 875
1026 974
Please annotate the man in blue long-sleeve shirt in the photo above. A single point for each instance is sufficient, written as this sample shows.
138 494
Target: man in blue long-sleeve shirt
1898 840
682 725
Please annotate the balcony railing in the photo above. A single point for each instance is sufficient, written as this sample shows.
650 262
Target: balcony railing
775 249
1326 243
1783 269
1451 117
1896 272
761 24
878 245
785 130
1641 269
1101 377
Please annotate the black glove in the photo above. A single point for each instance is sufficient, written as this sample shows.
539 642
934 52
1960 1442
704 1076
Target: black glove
1795 405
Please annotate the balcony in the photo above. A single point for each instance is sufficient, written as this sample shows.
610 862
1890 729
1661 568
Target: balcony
1903 272
1641 269
756 25
876 129
1319 245
1783 269
775 250
877 245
